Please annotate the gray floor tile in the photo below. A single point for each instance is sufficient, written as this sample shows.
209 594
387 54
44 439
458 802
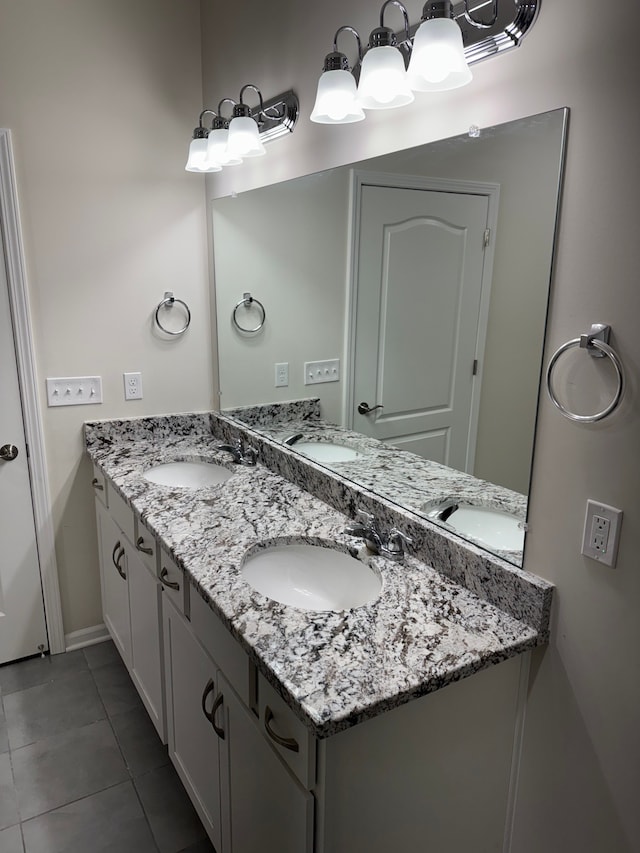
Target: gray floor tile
51 709
9 814
203 846
106 822
11 840
142 748
101 654
29 673
66 767
174 822
116 688
4 737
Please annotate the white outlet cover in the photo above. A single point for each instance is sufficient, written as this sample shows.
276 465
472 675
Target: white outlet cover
132 386
614 517
74 390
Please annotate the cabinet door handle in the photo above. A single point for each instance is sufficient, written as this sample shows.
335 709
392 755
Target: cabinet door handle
211 716
141 547
164 574
116 560
286 742
97 484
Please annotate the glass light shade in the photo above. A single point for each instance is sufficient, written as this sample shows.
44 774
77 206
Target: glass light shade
244 138
336 99
383 79
437 60
217 150
197 156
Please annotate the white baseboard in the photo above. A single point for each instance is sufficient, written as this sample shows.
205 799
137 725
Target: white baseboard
86 637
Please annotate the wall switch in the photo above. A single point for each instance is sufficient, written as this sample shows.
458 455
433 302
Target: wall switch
321 371
74 390
132 386
601 532
282 374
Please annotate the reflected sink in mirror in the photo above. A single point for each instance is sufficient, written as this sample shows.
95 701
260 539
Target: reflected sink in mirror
493 527
311 577
188 475
324 451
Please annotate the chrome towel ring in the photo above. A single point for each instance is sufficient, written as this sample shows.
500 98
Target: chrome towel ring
168 302
247 301
596 342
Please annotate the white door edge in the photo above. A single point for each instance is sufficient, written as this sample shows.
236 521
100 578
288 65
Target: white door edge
27 378
360 178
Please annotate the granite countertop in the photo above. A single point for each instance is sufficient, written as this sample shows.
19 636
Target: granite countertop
334 669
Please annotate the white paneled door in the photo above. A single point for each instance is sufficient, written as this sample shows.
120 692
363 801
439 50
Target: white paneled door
22 620
418 321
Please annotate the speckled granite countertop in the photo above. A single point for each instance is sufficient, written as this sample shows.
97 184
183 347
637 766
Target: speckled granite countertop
334 669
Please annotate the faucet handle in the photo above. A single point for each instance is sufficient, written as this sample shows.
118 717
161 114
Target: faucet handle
368 517
396 540
249 456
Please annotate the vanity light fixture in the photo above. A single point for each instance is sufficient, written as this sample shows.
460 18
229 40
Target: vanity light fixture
197 159
210 148
383 77
437 59
336 97
452 34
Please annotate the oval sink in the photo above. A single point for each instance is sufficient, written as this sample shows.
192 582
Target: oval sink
188 475
311 577
325 451
493 527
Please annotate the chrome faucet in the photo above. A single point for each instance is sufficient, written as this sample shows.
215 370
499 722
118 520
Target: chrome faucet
293 438
241 455
391 546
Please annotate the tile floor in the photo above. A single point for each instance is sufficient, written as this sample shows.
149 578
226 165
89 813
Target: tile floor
82 769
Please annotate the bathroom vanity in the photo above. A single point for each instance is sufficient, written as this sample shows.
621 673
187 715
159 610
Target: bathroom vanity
392 724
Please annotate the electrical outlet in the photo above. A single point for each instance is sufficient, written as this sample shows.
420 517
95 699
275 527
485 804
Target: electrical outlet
132 386
601 532
282 374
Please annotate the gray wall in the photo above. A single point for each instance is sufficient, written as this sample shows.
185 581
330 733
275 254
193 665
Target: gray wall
580 770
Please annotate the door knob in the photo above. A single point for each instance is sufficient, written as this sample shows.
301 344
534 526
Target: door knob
8 452
365 409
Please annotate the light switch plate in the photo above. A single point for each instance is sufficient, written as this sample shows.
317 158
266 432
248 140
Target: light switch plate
321 371
74 390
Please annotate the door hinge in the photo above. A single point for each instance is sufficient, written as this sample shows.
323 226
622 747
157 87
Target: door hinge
487 238
474 372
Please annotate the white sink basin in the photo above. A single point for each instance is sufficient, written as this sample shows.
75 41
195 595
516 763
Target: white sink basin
311 577
325 451
495 528
188 475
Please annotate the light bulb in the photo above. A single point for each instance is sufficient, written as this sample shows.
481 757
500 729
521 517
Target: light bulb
336 101
383 80
437 61
244 139
197 155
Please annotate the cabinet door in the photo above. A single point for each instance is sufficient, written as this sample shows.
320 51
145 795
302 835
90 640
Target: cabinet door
269 809
194 747
146 669
113 581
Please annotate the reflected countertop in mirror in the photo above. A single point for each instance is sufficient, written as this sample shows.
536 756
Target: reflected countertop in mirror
409 480
296 247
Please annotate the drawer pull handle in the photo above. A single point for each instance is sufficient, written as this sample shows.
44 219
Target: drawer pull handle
211 716
116 559
164 574
97 484
208 689
286 742
141 547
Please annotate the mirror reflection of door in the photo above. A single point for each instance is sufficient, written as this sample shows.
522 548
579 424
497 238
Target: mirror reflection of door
422 279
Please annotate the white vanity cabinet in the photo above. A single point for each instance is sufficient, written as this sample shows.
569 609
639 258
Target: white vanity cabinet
131 599
248 799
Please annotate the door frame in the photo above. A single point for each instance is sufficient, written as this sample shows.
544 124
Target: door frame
28 383
491 191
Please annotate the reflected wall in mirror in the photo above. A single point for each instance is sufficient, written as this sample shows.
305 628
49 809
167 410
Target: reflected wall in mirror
435 326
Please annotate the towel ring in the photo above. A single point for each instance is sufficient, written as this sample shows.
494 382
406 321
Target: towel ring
168 302
596 344
248 300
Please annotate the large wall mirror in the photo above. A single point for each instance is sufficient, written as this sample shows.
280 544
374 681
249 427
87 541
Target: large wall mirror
426 274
